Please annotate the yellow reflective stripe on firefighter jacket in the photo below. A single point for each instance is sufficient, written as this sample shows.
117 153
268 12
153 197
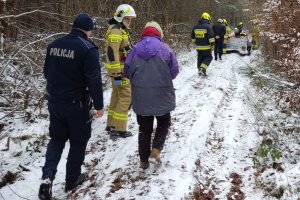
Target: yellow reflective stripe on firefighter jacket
117 45
203 36
203 47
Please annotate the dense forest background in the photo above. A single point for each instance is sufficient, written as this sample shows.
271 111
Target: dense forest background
57 16
27 26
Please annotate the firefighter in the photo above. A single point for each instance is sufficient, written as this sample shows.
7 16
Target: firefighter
219 31
118 44
203 37
238 31
227 35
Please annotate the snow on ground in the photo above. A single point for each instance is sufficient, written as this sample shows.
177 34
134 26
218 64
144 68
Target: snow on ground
211 137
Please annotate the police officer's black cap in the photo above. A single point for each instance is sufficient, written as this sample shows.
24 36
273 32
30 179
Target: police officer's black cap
84 21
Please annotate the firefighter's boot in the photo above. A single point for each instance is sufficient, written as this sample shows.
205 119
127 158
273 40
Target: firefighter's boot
122 134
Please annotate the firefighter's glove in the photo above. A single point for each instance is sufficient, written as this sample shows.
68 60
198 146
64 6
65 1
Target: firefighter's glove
126 51
117 80
212 47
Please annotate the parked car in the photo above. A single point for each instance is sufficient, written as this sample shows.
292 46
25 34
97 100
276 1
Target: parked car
241 44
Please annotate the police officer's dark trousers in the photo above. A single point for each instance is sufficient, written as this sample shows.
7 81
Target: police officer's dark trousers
218 48
204 58
145 134
68 121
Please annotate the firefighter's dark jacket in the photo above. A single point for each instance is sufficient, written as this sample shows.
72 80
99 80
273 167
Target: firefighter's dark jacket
203 35
219 30
72 66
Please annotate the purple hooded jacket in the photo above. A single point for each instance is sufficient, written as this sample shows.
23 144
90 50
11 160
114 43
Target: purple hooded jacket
151 65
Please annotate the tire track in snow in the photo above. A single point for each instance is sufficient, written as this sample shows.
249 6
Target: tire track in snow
207 98
213 156
227 147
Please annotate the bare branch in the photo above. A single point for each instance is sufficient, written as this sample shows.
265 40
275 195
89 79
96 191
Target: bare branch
29 44
30 12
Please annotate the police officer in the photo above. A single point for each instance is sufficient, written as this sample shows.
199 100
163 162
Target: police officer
118 44
203 37
73 75
219 31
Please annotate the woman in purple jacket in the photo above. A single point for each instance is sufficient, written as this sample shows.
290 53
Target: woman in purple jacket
151 65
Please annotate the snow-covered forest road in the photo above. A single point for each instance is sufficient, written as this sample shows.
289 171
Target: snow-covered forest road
208 149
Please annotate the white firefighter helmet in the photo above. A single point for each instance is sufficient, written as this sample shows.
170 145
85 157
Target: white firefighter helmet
122 11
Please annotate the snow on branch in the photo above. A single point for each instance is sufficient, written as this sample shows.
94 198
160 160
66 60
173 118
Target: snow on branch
36 41
29 44
30 12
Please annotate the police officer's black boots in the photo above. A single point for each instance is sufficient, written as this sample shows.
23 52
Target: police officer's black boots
71 185
45 191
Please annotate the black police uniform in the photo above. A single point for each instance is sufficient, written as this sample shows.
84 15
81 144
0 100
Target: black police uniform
220 31
71 67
